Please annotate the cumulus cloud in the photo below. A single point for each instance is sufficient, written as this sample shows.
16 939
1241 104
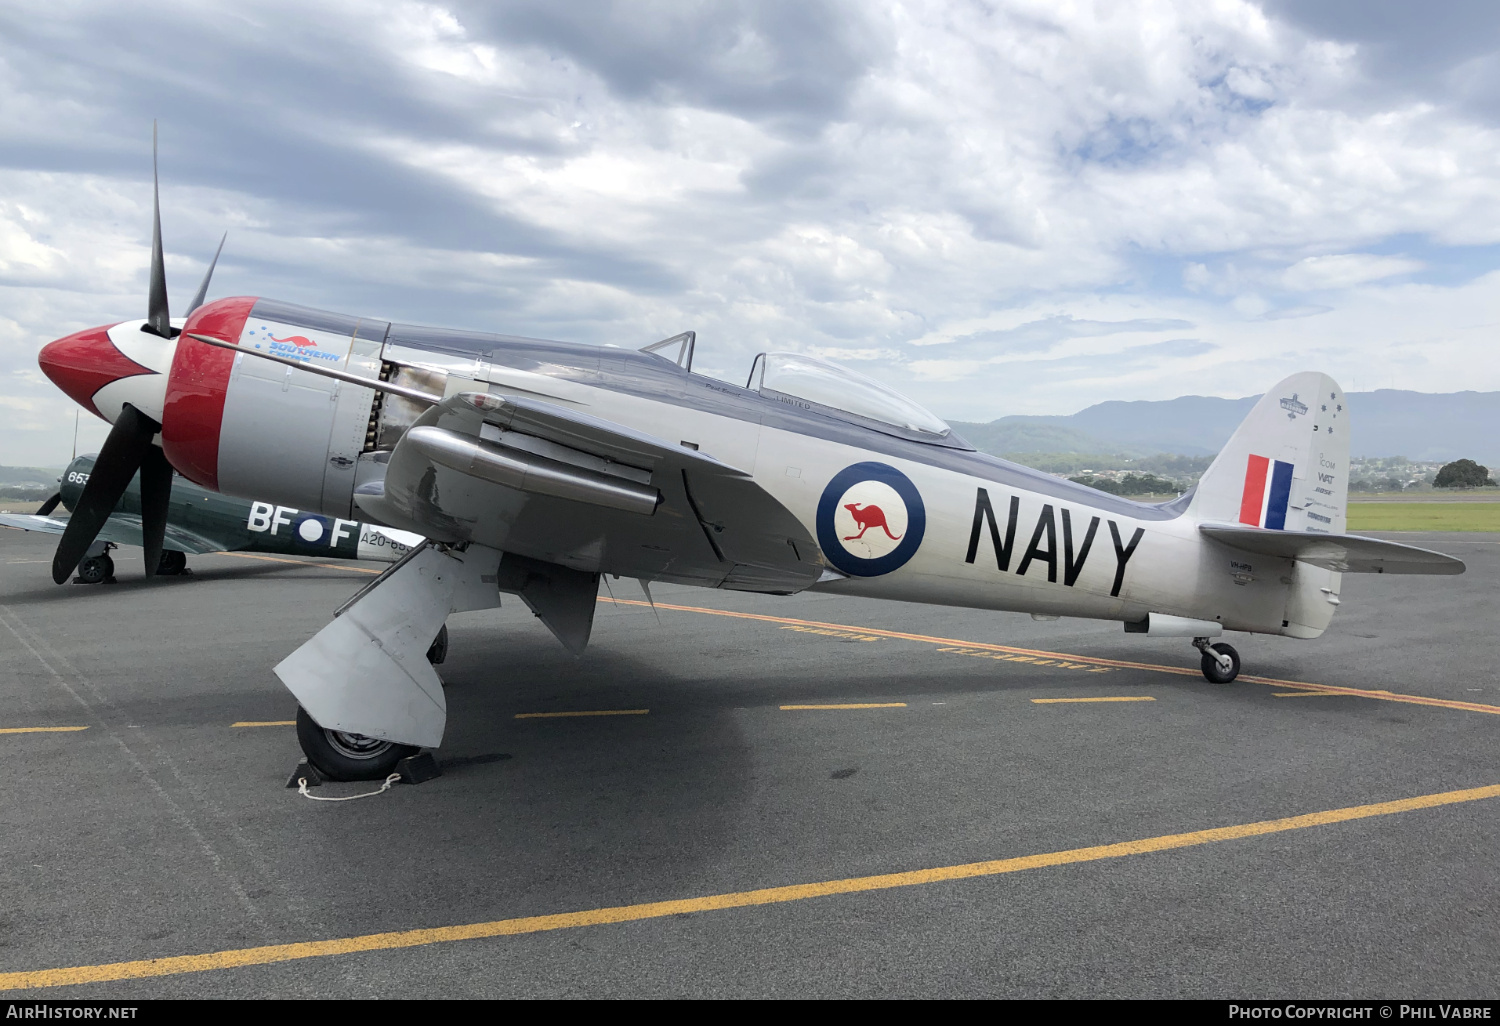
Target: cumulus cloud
1345 269
1002 208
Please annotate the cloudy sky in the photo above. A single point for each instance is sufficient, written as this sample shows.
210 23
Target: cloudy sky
1000 207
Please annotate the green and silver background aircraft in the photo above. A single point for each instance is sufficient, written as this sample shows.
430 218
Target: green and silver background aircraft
199 520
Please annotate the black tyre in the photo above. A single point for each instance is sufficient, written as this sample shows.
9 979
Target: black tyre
343 756
1216 673
96 569
172 563
438 651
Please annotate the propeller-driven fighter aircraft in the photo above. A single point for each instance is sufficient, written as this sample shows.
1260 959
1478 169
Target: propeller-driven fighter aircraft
533 467
199 521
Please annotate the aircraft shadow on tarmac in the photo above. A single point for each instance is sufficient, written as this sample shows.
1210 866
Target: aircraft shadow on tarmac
128 580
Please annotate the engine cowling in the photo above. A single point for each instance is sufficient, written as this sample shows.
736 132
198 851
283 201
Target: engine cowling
255 429
243 426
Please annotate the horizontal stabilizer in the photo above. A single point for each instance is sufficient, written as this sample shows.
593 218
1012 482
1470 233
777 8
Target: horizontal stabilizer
1343 553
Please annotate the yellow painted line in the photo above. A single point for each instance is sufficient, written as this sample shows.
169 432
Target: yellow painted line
238 957
1305 694
852 705
265 723
1061 664
300 562
39 730
589 712
1111 698
843 635
1181 671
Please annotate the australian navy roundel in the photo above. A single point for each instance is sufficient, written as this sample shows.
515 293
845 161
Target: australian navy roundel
870 520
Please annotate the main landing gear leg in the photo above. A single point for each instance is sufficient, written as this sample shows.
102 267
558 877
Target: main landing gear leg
1221 663
367 693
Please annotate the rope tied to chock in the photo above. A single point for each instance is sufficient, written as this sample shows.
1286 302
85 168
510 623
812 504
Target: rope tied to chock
302 790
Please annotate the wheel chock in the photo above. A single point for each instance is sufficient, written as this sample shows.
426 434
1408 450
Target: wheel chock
419 768
305 771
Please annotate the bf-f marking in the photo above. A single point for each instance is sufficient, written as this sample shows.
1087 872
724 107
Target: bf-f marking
266 517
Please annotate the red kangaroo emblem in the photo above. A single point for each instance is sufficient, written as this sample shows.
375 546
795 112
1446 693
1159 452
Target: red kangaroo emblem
870 516
300 341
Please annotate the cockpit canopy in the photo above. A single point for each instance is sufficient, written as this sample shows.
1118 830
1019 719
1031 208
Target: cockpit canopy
827 388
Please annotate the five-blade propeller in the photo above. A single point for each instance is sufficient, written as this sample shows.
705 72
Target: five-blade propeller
129 447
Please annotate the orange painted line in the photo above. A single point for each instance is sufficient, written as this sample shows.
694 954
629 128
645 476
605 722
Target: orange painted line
1181 671
299 562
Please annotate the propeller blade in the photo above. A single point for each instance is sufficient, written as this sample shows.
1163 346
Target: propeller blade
46 508
203 287
158 317
127 446
156 497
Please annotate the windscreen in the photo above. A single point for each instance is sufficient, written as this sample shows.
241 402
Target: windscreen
829 385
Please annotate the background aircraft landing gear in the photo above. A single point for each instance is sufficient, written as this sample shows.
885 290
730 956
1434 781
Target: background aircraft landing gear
172 563
96 567
1221 663
343 756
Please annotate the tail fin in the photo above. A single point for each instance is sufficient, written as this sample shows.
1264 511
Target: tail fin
1287 466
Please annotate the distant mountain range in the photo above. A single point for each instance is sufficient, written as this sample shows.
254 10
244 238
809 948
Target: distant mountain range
40 476
1387 422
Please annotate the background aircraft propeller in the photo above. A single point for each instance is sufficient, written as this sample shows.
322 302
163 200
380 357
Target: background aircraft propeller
46 508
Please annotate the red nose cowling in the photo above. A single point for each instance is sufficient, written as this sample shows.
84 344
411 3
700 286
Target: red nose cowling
194 409
84 362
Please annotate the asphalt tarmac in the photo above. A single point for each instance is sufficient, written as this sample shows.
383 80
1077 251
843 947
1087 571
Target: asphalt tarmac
163 831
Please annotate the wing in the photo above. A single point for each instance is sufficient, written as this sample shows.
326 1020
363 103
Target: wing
120 528
1345 553
553 484
31 522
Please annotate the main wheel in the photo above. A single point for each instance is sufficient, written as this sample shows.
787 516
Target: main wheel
339 755
96 569
1216 673
438 650
172 563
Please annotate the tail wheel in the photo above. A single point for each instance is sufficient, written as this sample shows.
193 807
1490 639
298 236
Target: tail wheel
340 755
1215 671
96 569
172 563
